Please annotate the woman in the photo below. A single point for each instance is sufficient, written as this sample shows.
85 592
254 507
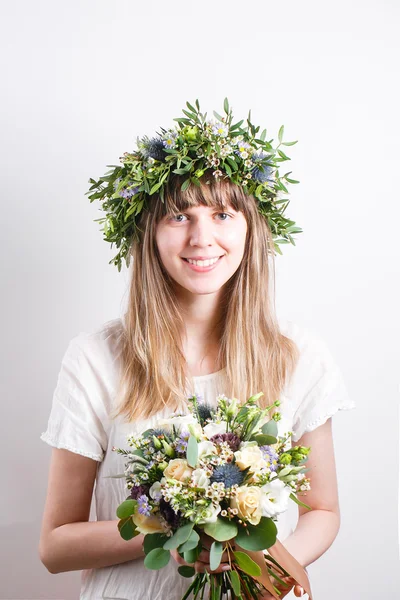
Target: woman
189 328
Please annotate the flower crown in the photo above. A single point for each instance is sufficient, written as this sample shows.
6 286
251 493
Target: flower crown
189 149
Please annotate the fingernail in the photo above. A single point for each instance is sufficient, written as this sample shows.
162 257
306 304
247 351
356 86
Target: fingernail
225 567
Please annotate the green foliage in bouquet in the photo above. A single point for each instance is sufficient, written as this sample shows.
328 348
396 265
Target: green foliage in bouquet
199 473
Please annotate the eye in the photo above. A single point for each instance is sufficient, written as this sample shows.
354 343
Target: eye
182 215
226 214
174 216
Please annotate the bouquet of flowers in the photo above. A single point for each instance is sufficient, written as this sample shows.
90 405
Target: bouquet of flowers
223 472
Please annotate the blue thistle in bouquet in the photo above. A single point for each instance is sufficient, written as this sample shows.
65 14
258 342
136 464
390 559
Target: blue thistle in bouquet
221 471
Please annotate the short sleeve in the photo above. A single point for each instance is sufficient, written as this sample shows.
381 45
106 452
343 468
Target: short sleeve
325 391
77 415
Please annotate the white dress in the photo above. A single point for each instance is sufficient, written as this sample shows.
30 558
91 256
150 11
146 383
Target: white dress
79 422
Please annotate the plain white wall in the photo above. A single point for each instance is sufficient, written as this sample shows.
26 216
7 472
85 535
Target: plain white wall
80 81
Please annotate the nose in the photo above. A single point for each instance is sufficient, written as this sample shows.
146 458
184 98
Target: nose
201 232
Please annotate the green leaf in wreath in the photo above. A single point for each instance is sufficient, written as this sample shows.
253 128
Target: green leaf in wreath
216 552
153 540
192 451
221 530
246 564
186 571
180 536
126 509
157 559
257 537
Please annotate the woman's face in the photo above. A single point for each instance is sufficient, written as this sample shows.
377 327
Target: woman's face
202 232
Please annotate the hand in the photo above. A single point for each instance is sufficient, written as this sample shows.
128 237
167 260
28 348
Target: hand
298 590
203 560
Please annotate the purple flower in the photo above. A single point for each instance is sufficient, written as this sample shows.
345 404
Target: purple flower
270 455
139 490
167 512
231 439
143 505
181 442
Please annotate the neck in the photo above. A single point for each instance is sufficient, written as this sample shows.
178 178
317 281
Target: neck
201 315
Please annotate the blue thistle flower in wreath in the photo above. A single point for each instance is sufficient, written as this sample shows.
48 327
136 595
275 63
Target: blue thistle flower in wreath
152 148
229 474
262 171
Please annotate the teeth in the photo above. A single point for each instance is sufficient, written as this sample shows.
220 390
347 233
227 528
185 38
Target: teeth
203 263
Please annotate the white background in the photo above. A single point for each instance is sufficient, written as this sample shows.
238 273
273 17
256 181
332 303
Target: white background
80 80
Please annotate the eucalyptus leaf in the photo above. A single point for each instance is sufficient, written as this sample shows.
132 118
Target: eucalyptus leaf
127 529
270 428
180 536
192 451
221 530
246 564
190 543
157 559
153 540
235 581
216 552
186 571
263 440
126 509
257 537
191 556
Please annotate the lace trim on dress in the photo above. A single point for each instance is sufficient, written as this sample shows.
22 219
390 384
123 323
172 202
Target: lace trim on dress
321 420
49 440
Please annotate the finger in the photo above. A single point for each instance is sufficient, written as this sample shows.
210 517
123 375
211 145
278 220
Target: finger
298 591
201 567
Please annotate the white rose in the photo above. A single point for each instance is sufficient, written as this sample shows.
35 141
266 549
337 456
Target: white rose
180 422
214 428
155 491
274 498
200 479
209 514
204 448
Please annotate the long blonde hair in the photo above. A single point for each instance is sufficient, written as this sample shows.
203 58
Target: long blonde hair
256 355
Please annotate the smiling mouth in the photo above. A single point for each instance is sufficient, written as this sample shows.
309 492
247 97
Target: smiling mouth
219 258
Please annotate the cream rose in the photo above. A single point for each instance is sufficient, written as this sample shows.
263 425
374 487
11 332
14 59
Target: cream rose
150 524
250 456
248 503
178 469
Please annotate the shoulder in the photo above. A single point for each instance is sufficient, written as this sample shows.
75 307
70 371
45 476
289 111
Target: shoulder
315 361
102 342
307 339
92 358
